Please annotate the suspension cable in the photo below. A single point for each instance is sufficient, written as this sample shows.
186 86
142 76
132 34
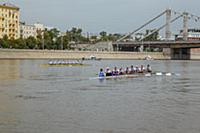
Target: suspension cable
150 21
161 27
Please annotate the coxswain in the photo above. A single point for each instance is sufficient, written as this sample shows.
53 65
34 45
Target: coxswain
108 72
101 73
149 70
115 71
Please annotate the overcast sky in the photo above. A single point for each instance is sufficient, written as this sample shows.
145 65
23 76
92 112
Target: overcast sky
97 15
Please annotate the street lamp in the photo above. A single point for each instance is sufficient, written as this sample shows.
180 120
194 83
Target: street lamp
62 34
43 41
61 43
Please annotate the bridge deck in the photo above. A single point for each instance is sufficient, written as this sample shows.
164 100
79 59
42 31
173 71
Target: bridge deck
160 44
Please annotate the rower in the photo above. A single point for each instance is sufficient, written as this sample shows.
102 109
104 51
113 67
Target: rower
126 71
137 69
142 69
121 72
108 72
149 70
115 71
101 73
132 70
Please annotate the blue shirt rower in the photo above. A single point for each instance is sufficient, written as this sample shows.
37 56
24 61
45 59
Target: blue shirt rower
101 73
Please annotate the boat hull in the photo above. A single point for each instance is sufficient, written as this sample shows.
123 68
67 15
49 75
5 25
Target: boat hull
65 65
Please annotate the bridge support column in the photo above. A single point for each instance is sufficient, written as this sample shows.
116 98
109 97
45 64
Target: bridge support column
167 52
115 47
180 54
168 21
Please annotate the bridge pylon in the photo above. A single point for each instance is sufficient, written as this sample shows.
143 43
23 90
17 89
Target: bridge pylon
185 26
168 22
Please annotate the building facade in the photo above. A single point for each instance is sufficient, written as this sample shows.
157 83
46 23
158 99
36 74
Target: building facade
27 31
9 21
193 34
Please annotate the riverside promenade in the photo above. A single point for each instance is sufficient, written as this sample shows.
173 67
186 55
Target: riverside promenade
58 54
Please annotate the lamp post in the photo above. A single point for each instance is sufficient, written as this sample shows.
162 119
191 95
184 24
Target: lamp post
43 42
62 34
61 43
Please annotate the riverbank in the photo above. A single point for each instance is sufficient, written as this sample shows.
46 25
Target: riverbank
58 54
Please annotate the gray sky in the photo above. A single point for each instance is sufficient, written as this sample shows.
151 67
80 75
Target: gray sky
97 15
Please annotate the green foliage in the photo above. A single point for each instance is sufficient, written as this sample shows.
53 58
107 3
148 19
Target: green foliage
104 36
30 42
53 39
153 36
4 42
109 37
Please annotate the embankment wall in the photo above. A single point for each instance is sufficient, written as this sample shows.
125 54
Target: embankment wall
56 54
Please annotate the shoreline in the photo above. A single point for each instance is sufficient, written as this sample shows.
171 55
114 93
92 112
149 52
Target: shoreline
23 54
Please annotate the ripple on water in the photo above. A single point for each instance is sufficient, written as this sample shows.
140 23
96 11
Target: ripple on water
25 97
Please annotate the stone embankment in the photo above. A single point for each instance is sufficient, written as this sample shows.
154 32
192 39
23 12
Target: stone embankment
56 54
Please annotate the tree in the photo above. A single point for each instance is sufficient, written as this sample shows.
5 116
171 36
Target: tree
49 36
93 39
31 42
76 35
103 35
4 43
152 37
19 43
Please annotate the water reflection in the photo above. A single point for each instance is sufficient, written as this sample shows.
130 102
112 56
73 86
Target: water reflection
10 69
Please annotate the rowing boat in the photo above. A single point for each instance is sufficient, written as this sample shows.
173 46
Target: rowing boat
65 65
138 75
123 76
61 63
120 76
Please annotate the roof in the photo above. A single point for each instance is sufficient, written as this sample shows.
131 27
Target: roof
9 5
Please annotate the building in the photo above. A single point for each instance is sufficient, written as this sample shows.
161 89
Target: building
193 34
27 30
49 27
9 21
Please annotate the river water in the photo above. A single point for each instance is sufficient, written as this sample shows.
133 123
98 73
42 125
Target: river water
35 98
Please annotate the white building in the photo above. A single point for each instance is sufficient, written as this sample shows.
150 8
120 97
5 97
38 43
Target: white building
193 34
49 27
27 31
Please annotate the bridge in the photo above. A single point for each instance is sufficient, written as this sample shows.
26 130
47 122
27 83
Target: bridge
176 49
157 44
